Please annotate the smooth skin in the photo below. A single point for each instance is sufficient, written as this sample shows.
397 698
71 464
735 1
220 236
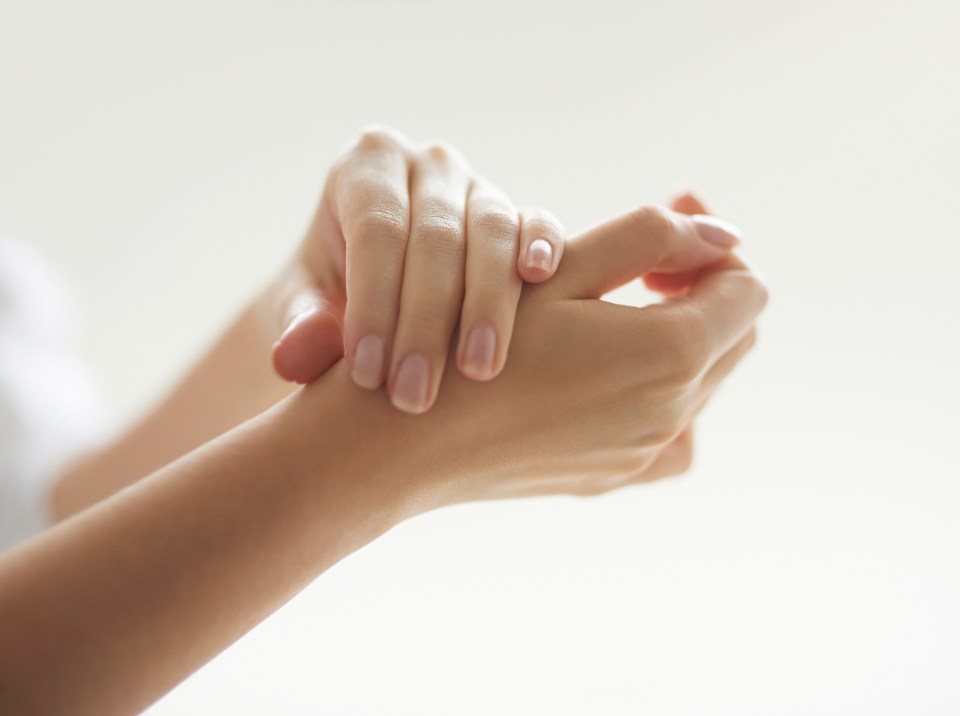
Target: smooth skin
409 242
112 608
234 382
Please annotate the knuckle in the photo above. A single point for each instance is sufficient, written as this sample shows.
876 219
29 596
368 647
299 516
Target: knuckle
688 366
684 458
653 220
375 137
439 234
753 287
495 225
746 344
685 351
653 223
632 459
762 292
439 151
661 435
380 227
542 221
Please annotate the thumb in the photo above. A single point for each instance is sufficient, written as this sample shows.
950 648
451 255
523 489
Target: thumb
313 338
643 240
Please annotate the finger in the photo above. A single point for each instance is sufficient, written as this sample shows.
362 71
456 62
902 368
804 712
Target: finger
727 362
373 205
313 339
679 340
675 460
719 310
541 245
677 457
492 284
631 245
677 284
670 284
433 278
687 202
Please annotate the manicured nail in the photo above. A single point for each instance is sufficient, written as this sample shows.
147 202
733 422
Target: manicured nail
411 384
540 255
716 231
480 352
368 361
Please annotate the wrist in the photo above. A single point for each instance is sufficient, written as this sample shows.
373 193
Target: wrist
358 451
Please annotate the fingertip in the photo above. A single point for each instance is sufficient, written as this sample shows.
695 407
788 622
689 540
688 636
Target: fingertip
410 385
311 344
686 201
718 232
541 245
477 356
537 263
369 360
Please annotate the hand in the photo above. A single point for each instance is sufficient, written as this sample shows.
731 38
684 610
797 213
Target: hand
677 457
127 598
407 243
595 395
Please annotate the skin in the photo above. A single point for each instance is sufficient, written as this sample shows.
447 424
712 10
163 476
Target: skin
207 402
420 244
383 196
110 609
305 306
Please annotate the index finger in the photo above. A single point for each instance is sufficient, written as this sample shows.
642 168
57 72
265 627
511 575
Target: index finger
645 239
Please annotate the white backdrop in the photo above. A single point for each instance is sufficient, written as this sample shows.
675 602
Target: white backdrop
166 157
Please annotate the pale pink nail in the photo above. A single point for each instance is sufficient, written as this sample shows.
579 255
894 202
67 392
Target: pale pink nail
716 231
412 384
368 359
540 255
480 352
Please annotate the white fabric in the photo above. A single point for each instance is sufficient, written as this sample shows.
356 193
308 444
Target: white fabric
48 409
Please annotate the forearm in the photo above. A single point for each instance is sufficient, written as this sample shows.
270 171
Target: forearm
107 611
233 382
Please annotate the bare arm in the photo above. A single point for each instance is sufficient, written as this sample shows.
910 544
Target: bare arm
115 606
232 383
112 608
368 217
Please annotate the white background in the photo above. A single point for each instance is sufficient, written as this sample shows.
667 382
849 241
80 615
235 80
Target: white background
166 157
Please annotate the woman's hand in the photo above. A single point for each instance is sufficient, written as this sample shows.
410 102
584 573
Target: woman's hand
678 455
125 599
596 395
407 243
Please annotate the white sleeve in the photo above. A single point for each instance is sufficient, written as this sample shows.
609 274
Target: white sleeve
48 411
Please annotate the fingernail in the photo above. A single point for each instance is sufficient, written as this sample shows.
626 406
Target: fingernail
368 360
540 254
480 351
716 231
411 384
